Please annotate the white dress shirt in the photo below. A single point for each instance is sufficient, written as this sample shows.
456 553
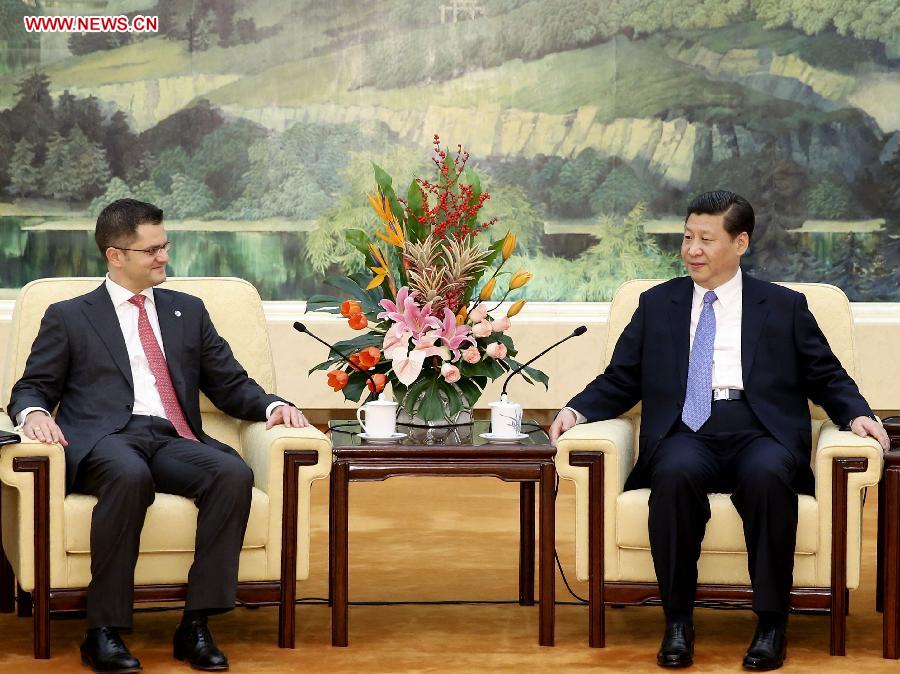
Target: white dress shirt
146 395
728 308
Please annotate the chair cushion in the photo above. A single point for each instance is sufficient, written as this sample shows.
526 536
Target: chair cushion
171 523
724 531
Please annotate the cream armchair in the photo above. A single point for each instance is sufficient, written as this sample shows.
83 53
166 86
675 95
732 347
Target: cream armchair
612 546
46 534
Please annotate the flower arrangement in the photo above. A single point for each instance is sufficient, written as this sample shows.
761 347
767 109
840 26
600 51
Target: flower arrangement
423 329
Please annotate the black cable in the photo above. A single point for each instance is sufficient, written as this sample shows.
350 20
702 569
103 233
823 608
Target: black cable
562 573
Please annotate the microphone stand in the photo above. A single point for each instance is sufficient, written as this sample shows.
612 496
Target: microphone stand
577 332
299 327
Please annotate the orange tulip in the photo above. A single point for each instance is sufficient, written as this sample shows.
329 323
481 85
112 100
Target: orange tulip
519 279
515 308
380 382
488 289
337 379
358 321
350 307
508 244
368 357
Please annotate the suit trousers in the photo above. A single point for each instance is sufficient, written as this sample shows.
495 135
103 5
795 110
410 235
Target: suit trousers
731 453
124 471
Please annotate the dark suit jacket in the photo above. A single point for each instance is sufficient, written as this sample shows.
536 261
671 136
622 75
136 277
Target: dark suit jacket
79 362
785 360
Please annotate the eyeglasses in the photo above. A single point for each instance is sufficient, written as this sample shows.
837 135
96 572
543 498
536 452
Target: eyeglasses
153 251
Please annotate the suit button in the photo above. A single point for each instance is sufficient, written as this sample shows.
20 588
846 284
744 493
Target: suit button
128 407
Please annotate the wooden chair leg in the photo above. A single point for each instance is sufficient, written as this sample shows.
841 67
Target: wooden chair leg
596 594
879 551
39 466
840 470
891 567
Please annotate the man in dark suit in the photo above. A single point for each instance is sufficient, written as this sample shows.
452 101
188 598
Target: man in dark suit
723 364
124 366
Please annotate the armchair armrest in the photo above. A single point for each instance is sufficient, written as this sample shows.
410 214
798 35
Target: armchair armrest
18 509
840 505
264 452
613 438
835 443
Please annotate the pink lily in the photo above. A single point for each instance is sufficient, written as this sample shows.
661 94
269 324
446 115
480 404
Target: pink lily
407 313
453 335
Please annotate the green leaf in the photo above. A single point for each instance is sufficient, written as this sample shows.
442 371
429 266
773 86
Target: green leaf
383 180
470 390
355 387
454 402
360 342
351 287
414 198
359 240
474 181
399 390
413 393
414 231
325 364
534 373
432 407
327 303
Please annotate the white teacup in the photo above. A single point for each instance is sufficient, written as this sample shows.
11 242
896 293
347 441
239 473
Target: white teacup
378 418
506 418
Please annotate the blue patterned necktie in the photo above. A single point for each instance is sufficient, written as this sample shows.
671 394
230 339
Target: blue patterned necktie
698 400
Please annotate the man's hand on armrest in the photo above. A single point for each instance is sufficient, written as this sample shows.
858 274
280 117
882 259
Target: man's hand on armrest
288 415
868 427
565 420
40 426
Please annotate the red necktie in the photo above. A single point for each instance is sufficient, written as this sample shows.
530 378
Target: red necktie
160 369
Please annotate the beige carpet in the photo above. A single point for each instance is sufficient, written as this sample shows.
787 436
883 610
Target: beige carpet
452 539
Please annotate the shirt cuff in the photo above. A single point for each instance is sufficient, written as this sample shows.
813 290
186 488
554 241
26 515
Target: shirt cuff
272 407
20 417
579 417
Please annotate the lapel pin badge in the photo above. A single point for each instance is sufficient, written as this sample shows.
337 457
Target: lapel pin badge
178 314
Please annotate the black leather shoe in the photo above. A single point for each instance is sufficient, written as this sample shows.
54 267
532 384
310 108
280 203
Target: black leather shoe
194 644
104 651
677 647
768 648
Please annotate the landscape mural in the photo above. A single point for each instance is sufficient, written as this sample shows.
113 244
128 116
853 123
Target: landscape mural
254 124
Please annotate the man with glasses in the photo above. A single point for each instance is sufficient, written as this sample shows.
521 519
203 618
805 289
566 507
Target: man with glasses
125 365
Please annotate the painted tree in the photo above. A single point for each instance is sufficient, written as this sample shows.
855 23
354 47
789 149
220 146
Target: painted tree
863 19
24 176
75 168
32 116
120 143
188 198
830 199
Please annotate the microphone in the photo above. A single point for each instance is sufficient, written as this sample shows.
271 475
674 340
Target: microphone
577 332
299 327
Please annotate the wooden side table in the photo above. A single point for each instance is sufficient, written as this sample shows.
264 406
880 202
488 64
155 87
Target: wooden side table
463 453
887 594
